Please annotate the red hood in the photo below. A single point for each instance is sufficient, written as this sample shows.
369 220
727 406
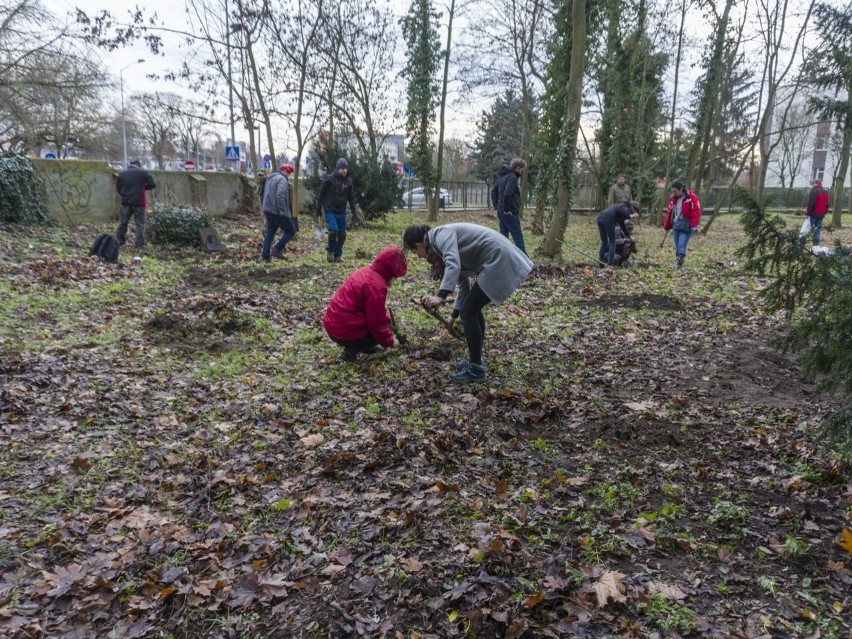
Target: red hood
389 263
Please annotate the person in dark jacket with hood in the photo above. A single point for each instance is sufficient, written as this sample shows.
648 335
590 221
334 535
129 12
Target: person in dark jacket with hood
131 186
607 219
506 197
335 192
356 317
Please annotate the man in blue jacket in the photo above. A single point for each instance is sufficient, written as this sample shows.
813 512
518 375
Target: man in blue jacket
506 197
335 192
131 186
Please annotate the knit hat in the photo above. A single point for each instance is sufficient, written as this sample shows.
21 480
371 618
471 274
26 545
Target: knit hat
816 181
287 168
341 164
677 184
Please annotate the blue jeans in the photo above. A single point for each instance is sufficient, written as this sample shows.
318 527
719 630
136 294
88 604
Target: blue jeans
336 223
273 223
606 254
816 229
510 223
681 239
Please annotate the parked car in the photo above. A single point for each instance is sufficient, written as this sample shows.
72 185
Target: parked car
416 198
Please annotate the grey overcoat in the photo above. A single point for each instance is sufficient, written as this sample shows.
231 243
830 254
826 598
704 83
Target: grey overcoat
474 250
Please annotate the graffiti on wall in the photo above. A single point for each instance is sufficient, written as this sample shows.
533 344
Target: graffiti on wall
72 188
166 193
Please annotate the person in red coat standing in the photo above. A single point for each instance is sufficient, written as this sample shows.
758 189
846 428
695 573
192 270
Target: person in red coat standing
817 208
682 218
356 317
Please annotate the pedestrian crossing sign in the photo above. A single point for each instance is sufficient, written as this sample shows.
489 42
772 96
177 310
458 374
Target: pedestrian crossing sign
232 153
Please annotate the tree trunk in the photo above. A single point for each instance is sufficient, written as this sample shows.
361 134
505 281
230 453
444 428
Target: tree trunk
658 215
709 103
836 214
552 245
433 205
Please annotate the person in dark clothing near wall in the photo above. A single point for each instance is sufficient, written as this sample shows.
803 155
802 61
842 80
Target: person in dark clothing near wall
817 208
335 192
131 186
277 211
607 220
506 197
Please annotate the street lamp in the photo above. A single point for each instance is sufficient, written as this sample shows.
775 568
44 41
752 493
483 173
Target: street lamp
123 122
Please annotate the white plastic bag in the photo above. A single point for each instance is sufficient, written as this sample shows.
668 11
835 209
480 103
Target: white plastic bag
806 227
318 233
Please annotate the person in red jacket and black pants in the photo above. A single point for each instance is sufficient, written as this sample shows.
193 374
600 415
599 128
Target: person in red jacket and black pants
356 317
682 218
817 208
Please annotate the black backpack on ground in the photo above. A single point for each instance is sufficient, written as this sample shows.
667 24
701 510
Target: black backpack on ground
106 248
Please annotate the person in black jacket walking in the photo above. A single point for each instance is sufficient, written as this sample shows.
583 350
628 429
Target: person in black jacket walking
506 197
607 219
131 186
334 193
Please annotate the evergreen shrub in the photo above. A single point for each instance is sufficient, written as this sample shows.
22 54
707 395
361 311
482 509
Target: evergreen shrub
375 183
176 225
816 293
21 191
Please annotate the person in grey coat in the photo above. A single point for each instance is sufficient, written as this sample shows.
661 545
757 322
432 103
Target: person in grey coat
277 212
457 253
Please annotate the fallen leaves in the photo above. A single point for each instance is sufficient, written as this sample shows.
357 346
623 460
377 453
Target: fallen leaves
608 587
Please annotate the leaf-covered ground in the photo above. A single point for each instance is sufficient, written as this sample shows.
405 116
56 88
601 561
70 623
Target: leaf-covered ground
183 454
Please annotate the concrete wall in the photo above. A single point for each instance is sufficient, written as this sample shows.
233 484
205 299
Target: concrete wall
78 190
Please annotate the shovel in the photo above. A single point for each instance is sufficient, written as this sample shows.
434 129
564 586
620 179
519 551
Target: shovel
450 326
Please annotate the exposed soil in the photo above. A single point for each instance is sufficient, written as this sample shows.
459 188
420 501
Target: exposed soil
193 460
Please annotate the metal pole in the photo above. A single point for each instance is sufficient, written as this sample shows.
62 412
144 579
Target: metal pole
123 121
230 84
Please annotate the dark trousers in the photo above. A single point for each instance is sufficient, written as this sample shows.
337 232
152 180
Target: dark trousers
273 223
606 254
138 213
474 322
511 224
361 345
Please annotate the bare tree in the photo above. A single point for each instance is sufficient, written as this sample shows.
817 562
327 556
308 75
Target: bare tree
567 150
793 133
357 48
157 117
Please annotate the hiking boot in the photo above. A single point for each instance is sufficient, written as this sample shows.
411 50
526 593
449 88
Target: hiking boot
679 262
349 355
461 364
470 373
279 255
338 259
329 256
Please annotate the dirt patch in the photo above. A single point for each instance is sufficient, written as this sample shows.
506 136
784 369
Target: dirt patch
185 332
645 301
205 277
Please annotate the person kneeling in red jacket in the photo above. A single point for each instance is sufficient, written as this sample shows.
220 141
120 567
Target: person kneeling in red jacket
356 317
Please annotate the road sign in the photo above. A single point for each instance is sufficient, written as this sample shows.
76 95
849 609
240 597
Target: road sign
50 156
267 164
267 158
232 153
189 165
